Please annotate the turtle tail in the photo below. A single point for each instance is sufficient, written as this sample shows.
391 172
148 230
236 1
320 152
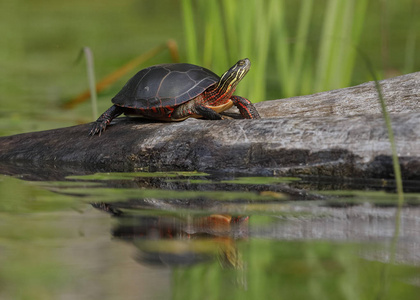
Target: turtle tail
100 124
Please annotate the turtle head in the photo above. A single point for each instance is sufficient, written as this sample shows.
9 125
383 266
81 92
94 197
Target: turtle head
231 77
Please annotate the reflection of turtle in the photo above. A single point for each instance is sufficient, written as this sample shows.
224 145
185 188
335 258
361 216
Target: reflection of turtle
175 92
158 238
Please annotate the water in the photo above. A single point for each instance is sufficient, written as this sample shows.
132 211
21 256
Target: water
200 236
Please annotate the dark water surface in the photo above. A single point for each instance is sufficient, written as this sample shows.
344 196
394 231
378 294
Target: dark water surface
200 236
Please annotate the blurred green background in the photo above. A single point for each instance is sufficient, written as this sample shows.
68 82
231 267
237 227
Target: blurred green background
296 47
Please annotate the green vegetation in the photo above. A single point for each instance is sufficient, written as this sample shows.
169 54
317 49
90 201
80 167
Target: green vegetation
297 47
110 194
133 175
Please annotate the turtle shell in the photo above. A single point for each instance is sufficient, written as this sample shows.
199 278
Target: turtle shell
166 85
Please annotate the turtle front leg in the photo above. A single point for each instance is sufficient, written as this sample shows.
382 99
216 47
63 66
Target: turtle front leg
106 118
246 108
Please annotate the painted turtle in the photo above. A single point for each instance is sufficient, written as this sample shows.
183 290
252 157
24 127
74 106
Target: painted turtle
175 92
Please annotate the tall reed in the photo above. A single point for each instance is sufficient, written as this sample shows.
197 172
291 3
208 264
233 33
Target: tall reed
90 70
398 179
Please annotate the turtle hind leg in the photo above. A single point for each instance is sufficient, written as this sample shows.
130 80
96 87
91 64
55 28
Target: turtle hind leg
190 109
100 124
246 108
207 113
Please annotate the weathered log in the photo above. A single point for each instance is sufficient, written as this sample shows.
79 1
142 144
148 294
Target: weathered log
402 95
337 133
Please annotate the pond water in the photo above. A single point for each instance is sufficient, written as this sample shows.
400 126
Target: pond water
205 236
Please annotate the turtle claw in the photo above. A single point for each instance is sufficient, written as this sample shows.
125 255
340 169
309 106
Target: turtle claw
99 125
97 128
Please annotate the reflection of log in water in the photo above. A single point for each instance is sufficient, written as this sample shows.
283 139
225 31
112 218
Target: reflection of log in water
338 133
355 224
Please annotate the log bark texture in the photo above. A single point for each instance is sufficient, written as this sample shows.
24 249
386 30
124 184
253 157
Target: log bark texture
337 133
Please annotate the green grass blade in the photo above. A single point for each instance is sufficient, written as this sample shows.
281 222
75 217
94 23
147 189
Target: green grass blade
300 48
398 179
280 36
353 39
247 33
262 47
246 42
387 119
344 21
326 45
90 68
189 27
221 63
214 52
231 27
